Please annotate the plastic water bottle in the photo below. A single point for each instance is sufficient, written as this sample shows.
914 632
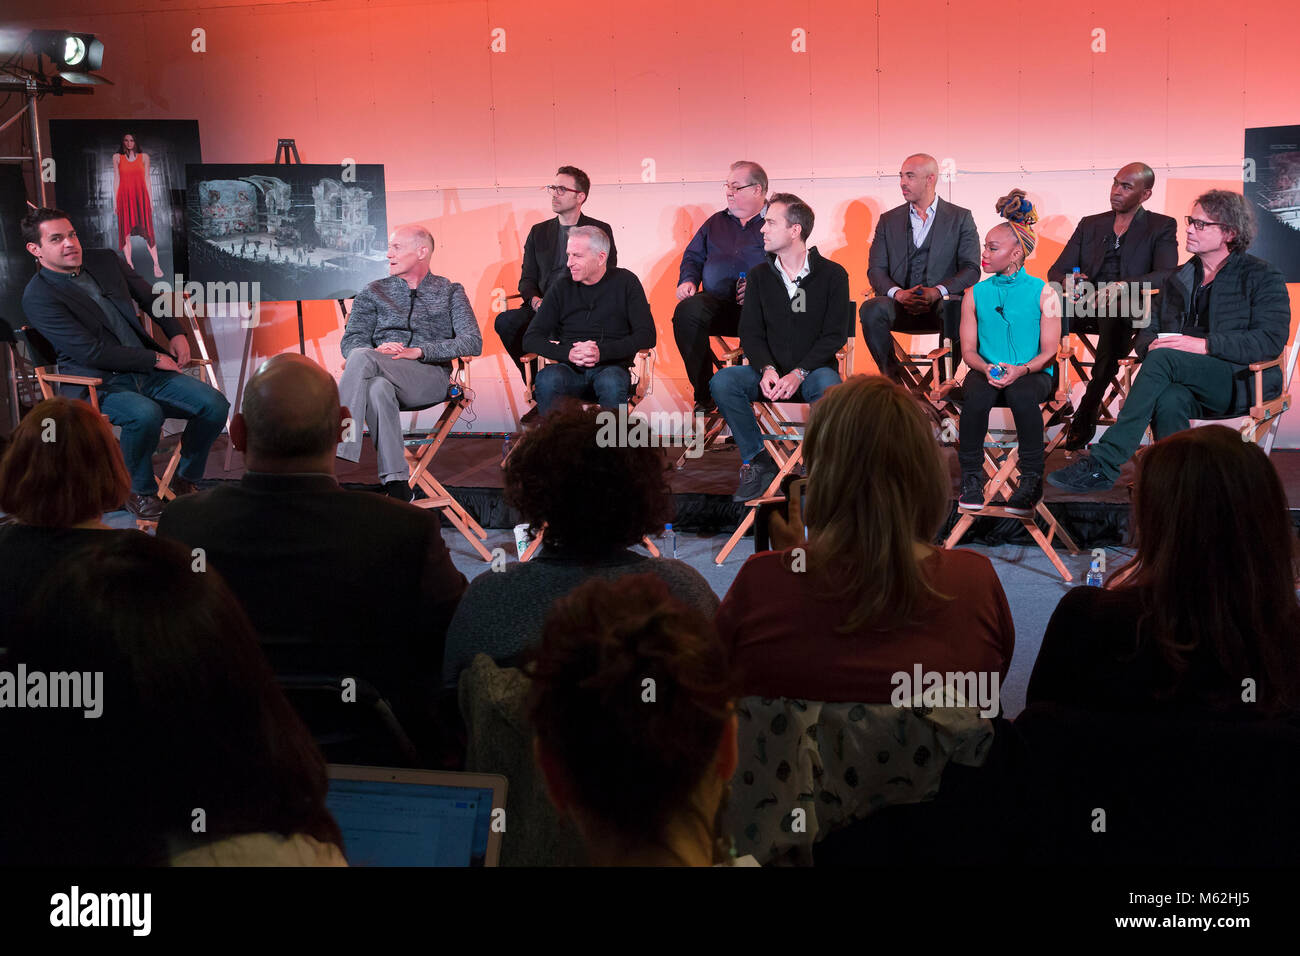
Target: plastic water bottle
1077 291
669 548
996 372
1094 575
505 448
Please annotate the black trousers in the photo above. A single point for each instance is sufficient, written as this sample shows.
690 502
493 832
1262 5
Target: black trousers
694 320
881 316
1114 339
1024 397
511 326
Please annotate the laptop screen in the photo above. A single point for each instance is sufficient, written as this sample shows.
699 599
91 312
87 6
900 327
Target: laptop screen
411 823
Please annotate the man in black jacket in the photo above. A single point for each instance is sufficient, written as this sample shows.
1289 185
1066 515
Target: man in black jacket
1221 311
545 256
591 325
795 318
923 250
85 303
336 582
1128 247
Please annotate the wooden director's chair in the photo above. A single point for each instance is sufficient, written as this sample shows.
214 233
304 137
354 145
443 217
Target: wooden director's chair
783 439
1001 464
643 384
922 372
420 449
43 358
723 356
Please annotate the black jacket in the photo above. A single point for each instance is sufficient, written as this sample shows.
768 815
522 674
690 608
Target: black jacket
954 261
539 255
1149 252
1250 319
75 325
335 582
773 333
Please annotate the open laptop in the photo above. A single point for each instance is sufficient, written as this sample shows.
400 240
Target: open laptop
392 817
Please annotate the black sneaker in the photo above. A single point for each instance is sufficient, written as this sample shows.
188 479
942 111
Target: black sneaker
1080 435
972 491
1028 494
400 490
755 476
1082 476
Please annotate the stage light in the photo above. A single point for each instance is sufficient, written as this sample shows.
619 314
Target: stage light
71 52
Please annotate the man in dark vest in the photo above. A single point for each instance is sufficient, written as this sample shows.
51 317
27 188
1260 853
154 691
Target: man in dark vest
923 250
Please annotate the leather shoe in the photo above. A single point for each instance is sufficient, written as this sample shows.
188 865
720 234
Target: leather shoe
147 507
182 486
1079 437
400 490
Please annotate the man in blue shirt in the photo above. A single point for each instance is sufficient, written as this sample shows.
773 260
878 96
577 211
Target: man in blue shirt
709 291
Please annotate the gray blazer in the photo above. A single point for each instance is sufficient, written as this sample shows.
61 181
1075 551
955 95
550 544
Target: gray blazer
954 250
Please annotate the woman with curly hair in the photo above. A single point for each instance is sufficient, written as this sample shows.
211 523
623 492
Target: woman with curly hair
1010 333
595 503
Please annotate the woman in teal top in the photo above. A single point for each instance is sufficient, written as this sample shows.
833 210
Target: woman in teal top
1010 332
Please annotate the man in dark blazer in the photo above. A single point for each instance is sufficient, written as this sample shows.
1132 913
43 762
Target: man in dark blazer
795 319
1221 311
336 582
545 257
1127 245
923 250
85 303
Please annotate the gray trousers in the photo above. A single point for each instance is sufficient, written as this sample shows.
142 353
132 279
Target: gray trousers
375 387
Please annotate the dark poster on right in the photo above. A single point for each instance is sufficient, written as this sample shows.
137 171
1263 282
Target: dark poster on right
1271 175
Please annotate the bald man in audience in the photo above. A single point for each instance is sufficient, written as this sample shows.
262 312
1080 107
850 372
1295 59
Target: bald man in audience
342 583
923 250
399 344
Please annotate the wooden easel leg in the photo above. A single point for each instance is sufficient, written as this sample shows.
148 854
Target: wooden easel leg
239 389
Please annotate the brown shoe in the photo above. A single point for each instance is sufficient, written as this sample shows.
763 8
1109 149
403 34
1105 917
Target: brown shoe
147 507
182 486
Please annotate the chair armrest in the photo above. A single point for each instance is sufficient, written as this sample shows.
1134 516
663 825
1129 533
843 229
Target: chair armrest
1261 366
1258 368
71 379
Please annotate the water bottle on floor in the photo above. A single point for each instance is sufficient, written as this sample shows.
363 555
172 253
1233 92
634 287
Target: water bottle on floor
1094 575
669 546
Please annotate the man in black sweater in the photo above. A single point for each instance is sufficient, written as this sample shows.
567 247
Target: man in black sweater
591 324
545 257
795 318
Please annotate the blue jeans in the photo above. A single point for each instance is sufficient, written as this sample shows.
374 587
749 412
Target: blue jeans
139 401
610 384
735 390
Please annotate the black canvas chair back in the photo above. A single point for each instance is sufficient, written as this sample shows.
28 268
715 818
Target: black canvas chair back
364 731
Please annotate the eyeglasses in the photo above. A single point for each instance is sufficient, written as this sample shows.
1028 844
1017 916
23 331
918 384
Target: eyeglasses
737 187
1199 224
560 190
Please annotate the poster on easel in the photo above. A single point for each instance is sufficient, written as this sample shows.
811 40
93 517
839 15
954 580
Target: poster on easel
1271 175
299 231
123 183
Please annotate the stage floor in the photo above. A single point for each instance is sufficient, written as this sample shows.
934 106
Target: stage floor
470 467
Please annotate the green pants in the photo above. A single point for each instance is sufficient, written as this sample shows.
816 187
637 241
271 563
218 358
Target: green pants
1170 390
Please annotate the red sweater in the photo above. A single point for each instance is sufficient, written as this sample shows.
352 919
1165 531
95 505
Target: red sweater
781 635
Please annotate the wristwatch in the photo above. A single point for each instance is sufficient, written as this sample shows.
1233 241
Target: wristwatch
802 373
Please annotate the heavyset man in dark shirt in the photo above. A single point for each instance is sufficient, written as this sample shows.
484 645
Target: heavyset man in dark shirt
591 323
710 290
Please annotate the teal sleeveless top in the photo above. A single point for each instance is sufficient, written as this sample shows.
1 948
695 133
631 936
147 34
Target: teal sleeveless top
1011 336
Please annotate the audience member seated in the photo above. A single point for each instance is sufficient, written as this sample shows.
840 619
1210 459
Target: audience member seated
595 503
791 327
711 280
335 582
1220 311
63 470
1010 334
1207 603
1171 700
402 335
591 324
185 752
867 595
636 737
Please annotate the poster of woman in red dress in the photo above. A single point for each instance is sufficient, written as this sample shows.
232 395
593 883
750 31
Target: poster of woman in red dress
132 200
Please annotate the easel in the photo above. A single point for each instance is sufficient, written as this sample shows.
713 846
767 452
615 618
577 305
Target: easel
286 154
